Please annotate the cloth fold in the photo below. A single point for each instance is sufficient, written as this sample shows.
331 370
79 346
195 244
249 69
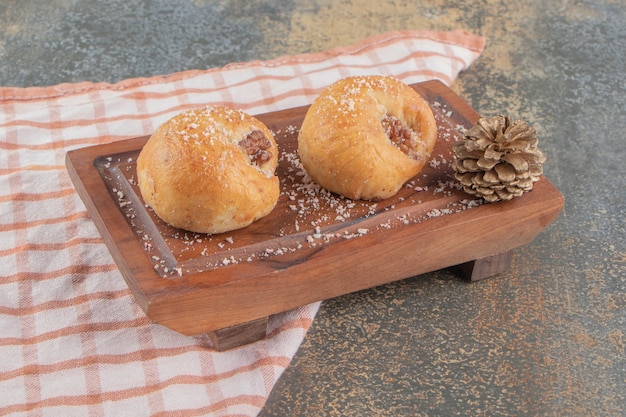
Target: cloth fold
73 341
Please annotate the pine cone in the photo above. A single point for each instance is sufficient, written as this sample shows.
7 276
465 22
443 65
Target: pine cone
498 159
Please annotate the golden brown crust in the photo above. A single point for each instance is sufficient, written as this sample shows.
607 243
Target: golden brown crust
343 144
196 175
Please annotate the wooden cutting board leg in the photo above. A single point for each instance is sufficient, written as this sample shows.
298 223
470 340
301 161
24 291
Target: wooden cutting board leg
486 267
238 335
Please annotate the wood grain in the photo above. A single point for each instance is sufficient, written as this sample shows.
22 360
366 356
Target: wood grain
314 245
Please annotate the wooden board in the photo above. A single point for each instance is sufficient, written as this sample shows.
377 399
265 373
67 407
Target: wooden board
314 245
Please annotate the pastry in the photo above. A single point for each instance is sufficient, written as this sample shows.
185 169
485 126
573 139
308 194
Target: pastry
210 170
364 137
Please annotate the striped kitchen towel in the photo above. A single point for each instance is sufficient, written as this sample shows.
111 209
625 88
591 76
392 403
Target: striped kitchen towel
73 341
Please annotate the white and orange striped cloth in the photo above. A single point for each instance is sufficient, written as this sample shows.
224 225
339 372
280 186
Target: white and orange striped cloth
73 341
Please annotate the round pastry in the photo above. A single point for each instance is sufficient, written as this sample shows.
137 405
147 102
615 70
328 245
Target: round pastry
210 170
364 137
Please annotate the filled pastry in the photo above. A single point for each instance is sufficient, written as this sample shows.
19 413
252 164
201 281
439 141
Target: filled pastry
210 170
364 137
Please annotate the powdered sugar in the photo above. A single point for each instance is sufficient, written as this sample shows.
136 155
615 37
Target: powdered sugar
306 218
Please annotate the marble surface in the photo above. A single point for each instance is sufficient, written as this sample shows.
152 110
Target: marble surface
545 338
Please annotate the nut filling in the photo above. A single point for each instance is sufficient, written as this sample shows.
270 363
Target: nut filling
402 136
256 145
